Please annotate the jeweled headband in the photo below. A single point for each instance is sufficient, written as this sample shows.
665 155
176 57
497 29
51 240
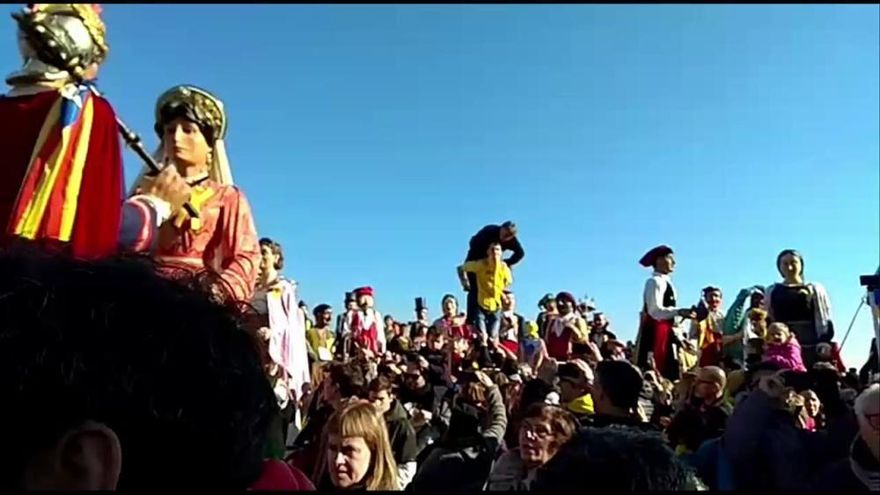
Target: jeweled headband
194 104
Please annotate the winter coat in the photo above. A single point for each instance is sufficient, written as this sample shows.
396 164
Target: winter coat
461 464
510 473
788 355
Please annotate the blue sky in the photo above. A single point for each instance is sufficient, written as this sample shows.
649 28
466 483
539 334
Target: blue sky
372 141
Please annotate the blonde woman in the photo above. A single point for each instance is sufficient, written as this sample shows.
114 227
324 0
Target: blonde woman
356 453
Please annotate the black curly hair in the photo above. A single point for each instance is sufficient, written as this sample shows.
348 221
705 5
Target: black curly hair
615 459
156 360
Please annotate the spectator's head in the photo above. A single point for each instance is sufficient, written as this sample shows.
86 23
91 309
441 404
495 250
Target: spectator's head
381 392
323 315
531 330
493 253
449 305
756 372
615 460
350 301
790 264
548 303
437 339
543 430
756 299
600 321
712 295
112 376
812 405
388 320
413 376
710 383
534 391
508 301
778 334
565 302
575 380
272 257
617 388
613 350
469 410
304 307
867 409
508 231
342 382
358 453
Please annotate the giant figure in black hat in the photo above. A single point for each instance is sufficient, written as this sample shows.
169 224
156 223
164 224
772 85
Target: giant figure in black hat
658 340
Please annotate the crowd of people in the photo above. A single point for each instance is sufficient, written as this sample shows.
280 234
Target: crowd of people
152 340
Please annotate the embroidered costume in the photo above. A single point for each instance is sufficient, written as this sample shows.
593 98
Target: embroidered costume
365 326
223 238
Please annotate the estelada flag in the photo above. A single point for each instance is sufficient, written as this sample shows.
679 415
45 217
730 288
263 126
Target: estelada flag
70 191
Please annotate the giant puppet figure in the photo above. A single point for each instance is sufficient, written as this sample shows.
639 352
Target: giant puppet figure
803 306
659 334
61 177
191 124
364 327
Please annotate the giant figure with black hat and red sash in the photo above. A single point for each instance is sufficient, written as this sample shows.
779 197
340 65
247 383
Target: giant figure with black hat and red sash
364 327
657 341
61 177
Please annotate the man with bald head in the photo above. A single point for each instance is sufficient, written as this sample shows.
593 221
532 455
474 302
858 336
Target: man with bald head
705 415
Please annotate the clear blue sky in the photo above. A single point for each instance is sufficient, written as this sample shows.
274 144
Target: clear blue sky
372 141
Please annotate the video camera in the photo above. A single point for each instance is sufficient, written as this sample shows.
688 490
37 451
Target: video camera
870 282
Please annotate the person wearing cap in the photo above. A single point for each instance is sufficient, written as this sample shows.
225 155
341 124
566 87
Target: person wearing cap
658 336
365 325
421 323
566 329
532 349
575 384
547 305
351 305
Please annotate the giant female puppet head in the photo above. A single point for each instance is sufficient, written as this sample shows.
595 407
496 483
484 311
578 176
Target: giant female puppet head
191 125
790 264
57 39
364 297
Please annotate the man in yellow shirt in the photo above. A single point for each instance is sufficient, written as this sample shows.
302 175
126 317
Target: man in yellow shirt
493 276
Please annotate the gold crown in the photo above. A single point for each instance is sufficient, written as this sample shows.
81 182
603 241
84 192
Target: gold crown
205 105
89 13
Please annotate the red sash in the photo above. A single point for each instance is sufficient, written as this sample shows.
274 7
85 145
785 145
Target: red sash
558 345
364 337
